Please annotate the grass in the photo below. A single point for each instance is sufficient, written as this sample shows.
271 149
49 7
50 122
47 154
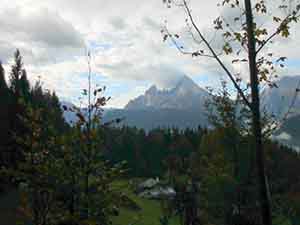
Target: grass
149 214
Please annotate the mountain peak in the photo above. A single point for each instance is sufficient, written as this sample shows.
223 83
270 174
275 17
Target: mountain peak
152 90
187 86
185 95
186 81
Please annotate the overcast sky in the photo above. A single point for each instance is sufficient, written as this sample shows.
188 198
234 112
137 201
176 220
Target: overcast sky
124 38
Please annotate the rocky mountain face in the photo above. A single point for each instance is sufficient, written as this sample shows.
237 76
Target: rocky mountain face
185 95
183 106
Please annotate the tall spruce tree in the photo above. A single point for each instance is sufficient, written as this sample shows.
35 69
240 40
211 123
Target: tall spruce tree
20 90
16 73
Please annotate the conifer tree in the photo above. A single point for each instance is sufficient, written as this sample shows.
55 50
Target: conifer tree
20 89
16 73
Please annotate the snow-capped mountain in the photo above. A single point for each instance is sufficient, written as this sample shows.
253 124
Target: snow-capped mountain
185 95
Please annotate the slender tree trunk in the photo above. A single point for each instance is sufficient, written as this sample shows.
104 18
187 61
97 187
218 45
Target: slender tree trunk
256 117
89 141
72 204
237 170
87 194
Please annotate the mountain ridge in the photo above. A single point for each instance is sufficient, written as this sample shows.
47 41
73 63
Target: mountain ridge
183 107
175 98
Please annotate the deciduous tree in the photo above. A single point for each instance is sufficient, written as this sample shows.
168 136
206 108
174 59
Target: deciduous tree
251 40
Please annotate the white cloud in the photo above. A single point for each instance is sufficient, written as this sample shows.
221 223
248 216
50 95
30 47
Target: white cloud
41 35
125 37
40 27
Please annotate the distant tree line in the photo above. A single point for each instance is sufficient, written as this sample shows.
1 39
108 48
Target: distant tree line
148 153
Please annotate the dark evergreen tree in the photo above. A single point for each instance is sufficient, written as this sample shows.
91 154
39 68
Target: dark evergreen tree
16 73
24 86
20 89
49 101
4 116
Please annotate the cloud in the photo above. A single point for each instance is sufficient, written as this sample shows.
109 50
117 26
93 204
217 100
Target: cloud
124 37
42 27
6 50
118 23
39 34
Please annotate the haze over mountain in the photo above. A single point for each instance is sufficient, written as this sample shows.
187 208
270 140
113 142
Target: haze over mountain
289 132
183 107
285 101
279 100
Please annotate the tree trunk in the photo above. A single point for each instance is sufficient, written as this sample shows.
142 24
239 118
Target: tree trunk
72 204
256 117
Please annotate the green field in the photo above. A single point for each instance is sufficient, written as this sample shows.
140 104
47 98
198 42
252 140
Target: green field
149 214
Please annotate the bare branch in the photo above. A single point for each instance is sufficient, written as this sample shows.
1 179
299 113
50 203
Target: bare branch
281 26
267 41
199 42
229 74
277 123
182 51
293 102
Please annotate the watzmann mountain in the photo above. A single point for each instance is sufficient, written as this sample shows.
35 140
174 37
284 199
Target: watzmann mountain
181 106
185 95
